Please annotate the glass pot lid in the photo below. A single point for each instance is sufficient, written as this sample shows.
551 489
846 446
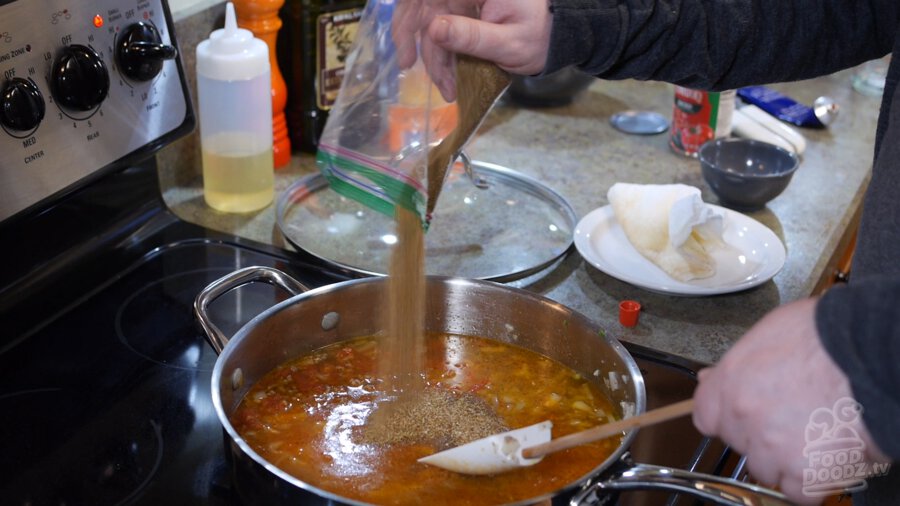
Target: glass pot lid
491 222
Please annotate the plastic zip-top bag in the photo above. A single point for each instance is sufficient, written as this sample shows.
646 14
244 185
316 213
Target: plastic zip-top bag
374 148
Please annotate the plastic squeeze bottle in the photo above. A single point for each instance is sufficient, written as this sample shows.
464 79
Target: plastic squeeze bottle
234 92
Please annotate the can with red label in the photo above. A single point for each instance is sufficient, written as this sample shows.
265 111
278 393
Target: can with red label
699 116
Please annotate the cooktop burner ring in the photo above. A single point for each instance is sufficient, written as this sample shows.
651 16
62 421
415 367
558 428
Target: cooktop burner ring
161 342
96 463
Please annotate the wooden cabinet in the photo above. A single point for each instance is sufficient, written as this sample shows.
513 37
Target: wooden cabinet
838 268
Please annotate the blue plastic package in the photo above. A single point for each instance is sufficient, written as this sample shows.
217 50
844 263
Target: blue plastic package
781 106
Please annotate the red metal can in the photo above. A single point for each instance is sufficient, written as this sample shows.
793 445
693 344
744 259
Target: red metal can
699 116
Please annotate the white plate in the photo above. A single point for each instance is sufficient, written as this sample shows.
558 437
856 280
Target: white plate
757 255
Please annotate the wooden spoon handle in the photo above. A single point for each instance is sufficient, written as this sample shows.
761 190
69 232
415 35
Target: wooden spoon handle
651 417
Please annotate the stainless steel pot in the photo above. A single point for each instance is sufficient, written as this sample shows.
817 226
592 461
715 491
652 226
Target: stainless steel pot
312 319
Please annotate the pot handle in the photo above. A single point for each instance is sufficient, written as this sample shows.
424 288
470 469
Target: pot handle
716 489
240 277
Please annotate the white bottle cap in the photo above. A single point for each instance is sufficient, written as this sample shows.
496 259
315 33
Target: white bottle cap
232 53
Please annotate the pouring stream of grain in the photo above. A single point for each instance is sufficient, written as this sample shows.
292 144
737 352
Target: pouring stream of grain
402 362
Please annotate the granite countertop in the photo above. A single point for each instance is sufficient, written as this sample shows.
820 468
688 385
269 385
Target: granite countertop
574 150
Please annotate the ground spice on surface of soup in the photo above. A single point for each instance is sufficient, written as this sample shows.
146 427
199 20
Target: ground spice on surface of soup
310 417
439 417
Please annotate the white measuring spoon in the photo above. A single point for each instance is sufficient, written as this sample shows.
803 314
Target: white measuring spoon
527 446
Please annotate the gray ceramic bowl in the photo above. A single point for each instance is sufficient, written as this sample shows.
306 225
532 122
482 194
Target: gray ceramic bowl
746 173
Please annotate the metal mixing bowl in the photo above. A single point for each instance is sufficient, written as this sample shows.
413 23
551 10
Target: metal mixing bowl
556 89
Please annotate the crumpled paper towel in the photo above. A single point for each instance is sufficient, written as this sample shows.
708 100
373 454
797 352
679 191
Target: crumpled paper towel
671 226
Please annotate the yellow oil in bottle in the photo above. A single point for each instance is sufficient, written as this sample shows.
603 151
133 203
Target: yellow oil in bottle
238 174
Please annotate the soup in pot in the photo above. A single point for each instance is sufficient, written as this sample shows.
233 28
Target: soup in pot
313 418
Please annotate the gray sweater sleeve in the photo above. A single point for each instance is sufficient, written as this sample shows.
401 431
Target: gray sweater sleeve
718 44
861 332
860 324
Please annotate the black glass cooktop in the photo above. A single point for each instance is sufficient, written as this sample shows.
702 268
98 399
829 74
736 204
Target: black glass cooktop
110 403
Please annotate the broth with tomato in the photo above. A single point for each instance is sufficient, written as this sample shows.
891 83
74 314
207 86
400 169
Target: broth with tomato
309 417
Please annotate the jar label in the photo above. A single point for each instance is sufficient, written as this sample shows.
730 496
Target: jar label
335 32
699 116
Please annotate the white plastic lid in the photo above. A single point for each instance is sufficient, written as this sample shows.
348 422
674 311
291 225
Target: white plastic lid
232 53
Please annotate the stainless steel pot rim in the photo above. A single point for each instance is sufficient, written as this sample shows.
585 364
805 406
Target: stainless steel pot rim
234 342
559 241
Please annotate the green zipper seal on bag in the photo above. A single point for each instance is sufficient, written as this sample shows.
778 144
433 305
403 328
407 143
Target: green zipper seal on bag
369 183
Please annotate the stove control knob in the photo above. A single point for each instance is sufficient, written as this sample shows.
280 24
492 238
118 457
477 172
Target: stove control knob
21 105
79 79
140 52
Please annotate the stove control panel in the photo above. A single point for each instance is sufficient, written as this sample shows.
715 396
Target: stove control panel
83 85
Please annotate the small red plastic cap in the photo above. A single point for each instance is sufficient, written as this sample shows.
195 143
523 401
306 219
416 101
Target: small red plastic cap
628 312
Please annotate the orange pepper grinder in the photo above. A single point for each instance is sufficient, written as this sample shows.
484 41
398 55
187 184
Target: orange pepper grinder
261 18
